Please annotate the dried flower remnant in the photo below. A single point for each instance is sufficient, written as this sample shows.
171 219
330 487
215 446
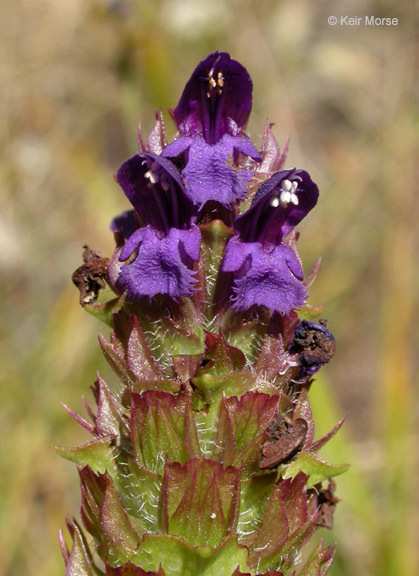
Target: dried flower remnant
326 500
203 459
285 439
90 277
314 344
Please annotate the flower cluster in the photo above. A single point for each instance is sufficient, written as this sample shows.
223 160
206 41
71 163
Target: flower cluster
213 163
203 458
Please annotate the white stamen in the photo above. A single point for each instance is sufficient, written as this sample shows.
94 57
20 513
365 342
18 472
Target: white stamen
275 202
287 185
152 176
288 193
285 198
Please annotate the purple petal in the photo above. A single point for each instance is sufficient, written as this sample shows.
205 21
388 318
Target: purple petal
163 263
209 173
243 145
177 147
132 244
153 186
189 242
235 256
278 206
125 224
217 99
270 279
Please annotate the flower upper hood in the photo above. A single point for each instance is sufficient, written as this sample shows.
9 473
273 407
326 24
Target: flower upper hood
211 113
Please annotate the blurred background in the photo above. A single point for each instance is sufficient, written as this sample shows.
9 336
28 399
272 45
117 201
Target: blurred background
75 79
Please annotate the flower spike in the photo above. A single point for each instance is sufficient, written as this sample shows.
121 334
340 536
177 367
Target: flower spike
202 459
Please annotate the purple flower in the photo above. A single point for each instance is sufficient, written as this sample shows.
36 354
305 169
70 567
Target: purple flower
266 270
169 243
314 344
125 224
211 114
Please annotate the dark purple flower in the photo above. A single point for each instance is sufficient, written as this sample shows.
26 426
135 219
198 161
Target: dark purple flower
217 99
266 270
211 114
314 344
169 243
125 224
153 186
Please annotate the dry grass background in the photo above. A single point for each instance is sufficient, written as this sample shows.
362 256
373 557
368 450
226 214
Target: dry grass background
75 78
